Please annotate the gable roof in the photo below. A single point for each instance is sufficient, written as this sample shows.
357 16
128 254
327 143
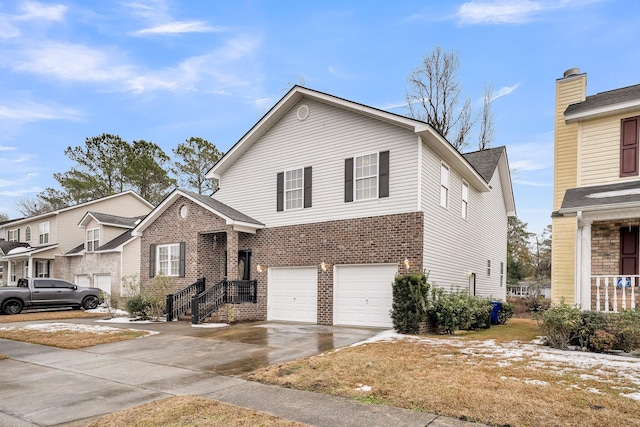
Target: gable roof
78 250
601 197
112 220
237 219
117 242
28 250
605 103
426 131
80 205
6 246
485 161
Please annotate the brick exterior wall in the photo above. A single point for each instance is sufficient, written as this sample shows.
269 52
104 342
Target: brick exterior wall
605 258
91 263
382 239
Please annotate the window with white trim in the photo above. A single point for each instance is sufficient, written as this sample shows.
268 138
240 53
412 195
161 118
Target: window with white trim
12 235
444 185
93 239
366 177
44 233
27 234
13 271
465 200
168 259
42 269
294 189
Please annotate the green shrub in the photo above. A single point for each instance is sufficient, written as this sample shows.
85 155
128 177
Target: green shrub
409 302
507 310
602 340
561 324
450 311
138 305
590 322
628 333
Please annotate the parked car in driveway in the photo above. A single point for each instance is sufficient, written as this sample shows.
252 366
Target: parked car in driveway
41 292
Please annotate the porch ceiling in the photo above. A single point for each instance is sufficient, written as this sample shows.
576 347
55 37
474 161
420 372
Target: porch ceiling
601 197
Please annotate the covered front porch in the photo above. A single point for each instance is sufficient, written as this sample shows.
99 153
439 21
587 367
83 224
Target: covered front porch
607 254
25 261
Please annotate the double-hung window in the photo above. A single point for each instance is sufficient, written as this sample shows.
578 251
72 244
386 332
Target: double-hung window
366 176
168 259
444 185
465 200
44 233
93 239
13 235
294 189
27 234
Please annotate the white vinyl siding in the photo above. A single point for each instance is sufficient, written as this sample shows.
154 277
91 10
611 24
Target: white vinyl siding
168 259
366 177
453 247
444 185
93 239
294 189
330 135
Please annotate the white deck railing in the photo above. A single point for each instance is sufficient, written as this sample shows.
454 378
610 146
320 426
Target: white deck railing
616 292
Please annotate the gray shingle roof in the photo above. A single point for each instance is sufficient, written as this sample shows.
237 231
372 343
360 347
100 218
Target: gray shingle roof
601 196
222 208
76 250
485 161
114 243
604 99
6 246
115 219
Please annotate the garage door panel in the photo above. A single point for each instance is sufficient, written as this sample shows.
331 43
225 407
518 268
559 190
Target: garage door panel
363 294
293 294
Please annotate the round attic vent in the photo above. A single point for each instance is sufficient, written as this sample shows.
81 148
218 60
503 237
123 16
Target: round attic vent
303 112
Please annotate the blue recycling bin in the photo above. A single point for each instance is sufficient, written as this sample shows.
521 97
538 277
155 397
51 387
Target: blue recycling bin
495 311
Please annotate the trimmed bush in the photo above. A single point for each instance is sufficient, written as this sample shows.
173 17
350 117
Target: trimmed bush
507 310
409 302
450 311
138 305
561 324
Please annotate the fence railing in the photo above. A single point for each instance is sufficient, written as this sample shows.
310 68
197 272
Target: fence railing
180 302
223 292
615 292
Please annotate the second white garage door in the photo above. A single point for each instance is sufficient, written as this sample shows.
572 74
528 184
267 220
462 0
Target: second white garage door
363 295
293 294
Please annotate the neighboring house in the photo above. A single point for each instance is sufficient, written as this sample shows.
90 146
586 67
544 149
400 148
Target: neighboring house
324 201
596 195
526 288
89 244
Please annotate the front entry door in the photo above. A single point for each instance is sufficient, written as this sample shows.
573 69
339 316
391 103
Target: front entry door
629 251
244 265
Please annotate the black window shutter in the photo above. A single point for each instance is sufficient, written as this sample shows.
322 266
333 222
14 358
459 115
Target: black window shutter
18 234
48 268
280 191
36 275
383 180
307 187
182 259
348 180
152 260
629 146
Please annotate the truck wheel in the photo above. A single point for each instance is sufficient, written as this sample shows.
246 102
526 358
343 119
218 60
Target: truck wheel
12 306
90 302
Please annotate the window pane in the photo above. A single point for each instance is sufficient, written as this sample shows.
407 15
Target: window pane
444 192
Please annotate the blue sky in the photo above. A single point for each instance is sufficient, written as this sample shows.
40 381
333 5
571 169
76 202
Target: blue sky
164 71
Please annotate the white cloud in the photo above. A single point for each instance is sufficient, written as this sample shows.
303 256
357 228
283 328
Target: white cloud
38 11
16 192
503 91
511 11
5 148
27 112
180 27
532 183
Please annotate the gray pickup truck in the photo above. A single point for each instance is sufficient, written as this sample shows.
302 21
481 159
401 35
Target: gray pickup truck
43 292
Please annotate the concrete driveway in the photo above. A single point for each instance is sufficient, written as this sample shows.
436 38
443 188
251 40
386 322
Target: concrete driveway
49 386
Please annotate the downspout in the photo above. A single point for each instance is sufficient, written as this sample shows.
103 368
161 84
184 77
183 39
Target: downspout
578 261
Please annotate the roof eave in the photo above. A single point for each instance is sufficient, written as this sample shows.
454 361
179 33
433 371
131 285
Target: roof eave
604 111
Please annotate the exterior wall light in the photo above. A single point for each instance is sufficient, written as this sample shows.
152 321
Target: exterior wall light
323 266
406 263
259 268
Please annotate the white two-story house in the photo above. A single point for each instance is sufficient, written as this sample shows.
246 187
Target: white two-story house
324 201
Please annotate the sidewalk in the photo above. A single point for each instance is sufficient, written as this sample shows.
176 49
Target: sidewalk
46 386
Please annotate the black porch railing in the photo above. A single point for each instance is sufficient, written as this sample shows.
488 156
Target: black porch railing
180 302
223 292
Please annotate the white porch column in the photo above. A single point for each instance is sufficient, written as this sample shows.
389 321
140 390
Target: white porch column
9 272
585 273
30 267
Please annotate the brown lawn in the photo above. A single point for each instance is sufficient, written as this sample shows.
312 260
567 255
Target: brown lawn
482 376
190 411
69 336
48 315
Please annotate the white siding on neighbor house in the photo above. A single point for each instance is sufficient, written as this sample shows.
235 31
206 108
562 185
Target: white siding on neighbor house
323 141
130 264
455 247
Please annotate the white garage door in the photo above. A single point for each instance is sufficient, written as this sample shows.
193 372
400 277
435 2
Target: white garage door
82 280
103 281
293 294
362 294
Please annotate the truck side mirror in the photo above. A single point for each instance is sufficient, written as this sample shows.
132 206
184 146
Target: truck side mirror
75 287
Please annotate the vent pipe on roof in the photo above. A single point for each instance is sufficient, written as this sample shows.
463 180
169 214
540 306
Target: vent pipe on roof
571 72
